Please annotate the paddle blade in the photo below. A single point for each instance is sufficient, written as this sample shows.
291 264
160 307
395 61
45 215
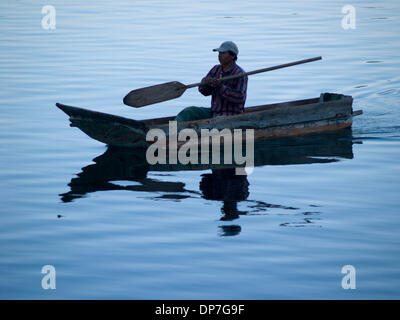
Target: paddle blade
162 92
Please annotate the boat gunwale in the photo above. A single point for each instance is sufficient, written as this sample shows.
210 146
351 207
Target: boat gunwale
155 122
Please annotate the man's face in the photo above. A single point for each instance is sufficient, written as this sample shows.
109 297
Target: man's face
225 57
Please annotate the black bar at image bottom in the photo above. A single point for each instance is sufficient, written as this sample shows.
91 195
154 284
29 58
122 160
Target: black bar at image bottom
199 309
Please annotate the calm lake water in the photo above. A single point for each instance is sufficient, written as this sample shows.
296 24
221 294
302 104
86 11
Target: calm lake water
112 229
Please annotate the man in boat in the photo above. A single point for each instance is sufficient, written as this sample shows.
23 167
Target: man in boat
227 97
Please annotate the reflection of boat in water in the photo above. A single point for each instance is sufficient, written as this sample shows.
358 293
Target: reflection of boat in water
118 164
222 184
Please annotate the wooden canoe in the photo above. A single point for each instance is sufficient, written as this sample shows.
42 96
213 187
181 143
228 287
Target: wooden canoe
329 112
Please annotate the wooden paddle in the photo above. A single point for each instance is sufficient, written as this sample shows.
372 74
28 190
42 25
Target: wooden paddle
170 90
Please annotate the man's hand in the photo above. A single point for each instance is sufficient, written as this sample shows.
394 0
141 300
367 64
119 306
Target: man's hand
212 82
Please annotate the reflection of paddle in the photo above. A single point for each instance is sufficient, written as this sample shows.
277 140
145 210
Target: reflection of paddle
174 89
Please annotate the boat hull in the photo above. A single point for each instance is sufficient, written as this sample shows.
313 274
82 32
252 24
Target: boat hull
273 121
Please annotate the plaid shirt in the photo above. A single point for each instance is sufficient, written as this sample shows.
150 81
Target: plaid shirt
229 98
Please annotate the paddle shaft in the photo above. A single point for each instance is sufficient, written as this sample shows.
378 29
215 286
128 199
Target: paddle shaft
172 90
260 71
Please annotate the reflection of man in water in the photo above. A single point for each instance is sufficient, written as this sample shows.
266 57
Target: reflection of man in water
225 185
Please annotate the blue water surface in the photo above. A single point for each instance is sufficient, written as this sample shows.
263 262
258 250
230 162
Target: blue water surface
159 236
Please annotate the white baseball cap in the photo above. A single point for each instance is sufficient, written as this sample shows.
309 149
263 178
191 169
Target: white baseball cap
228 46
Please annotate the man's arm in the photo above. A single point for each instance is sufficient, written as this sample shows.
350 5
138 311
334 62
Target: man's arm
207 87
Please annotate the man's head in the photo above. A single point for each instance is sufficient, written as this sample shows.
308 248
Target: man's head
227 47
